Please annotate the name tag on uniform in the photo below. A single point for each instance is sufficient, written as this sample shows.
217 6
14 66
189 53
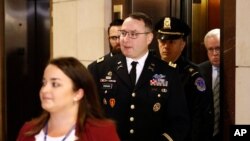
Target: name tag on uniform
107 85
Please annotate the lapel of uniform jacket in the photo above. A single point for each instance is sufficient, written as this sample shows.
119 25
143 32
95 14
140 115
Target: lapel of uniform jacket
147 72
120 68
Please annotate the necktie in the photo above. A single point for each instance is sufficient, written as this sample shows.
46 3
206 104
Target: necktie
216 96
132 73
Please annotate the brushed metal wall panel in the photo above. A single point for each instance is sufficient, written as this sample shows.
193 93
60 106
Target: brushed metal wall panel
27 50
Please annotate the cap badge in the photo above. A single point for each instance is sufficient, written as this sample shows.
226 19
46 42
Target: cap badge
167 23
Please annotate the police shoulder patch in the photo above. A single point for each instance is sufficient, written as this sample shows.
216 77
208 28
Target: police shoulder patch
200 84
100 60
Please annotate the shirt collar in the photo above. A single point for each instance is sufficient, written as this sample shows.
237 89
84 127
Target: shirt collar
140 61
216 68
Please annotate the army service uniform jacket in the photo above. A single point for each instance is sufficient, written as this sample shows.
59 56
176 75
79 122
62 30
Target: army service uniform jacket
199 100
155 110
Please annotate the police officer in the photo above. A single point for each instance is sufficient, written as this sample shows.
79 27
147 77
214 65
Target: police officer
171 34
146 99
114 45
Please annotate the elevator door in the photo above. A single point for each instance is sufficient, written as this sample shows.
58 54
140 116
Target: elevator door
158 9
27 50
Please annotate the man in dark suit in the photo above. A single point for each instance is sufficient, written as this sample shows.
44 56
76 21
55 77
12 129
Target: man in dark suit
211 72
114 45
171 37
141 92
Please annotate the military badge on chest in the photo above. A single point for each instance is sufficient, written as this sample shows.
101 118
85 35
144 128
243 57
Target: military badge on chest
107 82
107 85
158 85
159 80
112 102
157 107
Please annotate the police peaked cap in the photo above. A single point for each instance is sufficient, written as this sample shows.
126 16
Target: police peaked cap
170 28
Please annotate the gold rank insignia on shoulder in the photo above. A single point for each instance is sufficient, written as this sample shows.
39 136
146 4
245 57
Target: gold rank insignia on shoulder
100 60
167 23
191 69
171 64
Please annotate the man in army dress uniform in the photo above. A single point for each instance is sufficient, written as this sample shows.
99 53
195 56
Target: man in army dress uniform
114 45
171 34
146 100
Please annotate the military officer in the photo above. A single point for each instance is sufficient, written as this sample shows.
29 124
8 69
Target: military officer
146 100
171 37
114 45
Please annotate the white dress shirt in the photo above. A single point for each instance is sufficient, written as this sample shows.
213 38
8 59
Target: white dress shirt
139 66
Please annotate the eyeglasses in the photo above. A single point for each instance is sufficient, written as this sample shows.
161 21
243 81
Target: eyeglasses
114 37
212 50
132 35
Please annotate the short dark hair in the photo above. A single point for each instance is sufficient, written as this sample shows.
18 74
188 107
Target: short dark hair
115 22
143 17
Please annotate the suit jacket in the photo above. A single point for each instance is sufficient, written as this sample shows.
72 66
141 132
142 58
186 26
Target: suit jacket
94 130
206 70
154 110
